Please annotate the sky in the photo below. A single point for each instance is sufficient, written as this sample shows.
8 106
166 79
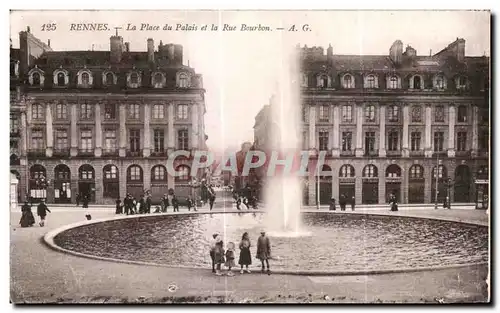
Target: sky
241 68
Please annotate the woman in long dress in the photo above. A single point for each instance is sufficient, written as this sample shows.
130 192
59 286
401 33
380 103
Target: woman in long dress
27 218
245 255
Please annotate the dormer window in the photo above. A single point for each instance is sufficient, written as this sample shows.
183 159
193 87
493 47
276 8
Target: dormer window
393 82
348 81
439 82
108 79
461 82
323 81
416 82
85 79
158 80
133 80
182 80
61 78
371 82
36 77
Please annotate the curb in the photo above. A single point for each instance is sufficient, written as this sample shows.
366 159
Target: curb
48 239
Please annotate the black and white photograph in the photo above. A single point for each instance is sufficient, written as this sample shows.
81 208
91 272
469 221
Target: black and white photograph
250 157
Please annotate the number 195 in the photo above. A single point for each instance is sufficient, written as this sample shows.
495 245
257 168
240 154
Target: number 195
49 27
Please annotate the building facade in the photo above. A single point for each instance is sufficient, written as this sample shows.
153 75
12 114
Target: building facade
103 123
398 124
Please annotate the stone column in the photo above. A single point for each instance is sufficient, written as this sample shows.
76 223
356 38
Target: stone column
381 186
147 175
73 131
381 149
123 131
428 131
195 130
406 121
475 129
24 137
359 131
358 190
146 151
312 127
170 132
98 133
99 187
50 133
122 169
451 130
336 135
50 188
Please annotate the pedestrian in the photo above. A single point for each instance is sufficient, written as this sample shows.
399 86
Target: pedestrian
245 255
238 203
42 210
219 256
230 255
119 207
393 203
77 199
353 202
175 203
164 203
342 202
213 243
446 203
212 198
142 205
148 204
245 203
85 201
27 218
264 251
190 203
332 204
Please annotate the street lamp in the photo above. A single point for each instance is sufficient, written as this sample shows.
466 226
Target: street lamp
436 173
450 183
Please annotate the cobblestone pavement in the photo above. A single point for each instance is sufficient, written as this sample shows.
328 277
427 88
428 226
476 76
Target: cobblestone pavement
39 274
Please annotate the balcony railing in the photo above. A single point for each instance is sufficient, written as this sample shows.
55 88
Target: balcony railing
347 153
393 152
109 151
417 153
159 153
36 153
134 153
61 152
85 152
439 153
371 152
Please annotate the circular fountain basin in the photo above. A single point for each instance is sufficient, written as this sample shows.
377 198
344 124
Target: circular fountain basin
334 242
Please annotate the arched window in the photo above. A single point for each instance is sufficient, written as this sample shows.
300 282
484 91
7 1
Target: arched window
393 82
36 79
439 82
110 181
158 79
158 174
322 81
182 173
371 82
346 171
304 81
393 171
442 173
61 79
416 171
183 81
85 78
370 113
62 172
348 81
134 173
110 172
326 169
461 82
37 171
462 114
370 171
86 172
417 82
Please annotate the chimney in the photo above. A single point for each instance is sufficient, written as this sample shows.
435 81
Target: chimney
28 29
127 47
116 48
151 50
396 52
178 54
170 52
48 42
458 49
329 52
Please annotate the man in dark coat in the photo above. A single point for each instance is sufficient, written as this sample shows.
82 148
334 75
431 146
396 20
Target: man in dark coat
175 203
264 251
77 199
165 203
332 204
142 205
27 218
86 201
342 202
42 210
148 204
353 202
212 198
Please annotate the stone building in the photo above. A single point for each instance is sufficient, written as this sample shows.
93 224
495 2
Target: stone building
102 123
391 123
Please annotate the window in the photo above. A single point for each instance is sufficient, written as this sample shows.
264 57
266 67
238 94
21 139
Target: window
36 79
370 113
393 141
438 141
134 78
61 112
417 82
416 137
37 139
183 173
393 113
182 111
85 111
346 141
346 171
158 111
61 139
393 171
462 114
346 113
439 83
133 111
134 173
85 79
370 171
323 140
461 82
37 112
439 113
348 81
324 113
183 80
158 80
86 140
484 140
61 79
182 139
416 114
461 141
135 140
110 140
14 125
110 79
371 82
158 173
369 142
392 82
86 172
416 171
441 172
110 172
159 139
304 81
109 111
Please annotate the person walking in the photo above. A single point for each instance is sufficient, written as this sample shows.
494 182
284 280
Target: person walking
230 256
42 210
219 256
27 218
342 202
213 243
175 203
393 203
142 205
264 251
148 203
332 204
119 207
245 255
212 198
77 199
85 201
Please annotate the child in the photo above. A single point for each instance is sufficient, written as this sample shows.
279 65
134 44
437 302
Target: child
230 259
219 256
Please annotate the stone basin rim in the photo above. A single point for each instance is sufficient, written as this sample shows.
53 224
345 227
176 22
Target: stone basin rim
48 239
